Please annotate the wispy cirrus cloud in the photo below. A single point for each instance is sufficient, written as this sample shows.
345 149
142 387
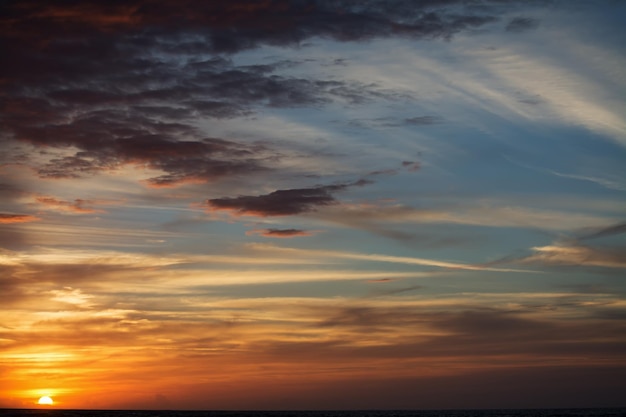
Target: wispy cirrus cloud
374 257
578 255
574 250
487 214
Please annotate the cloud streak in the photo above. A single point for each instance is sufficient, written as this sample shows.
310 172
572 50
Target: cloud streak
78 206
372 257
578 255
282 202
6 218
280 233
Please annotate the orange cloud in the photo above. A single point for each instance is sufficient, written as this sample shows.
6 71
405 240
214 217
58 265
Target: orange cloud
77 206
17 218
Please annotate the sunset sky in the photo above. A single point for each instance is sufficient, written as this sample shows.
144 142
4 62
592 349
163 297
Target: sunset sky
313 204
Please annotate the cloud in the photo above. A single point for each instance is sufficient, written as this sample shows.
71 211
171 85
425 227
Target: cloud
422 120
381 293
6 218
411 165
244 24
108 140
282 202
610 183
85 233
80 268
10 192
73 296
144 91
114 85
133 114
521 24
393 122
380 218
570 251
473 333
613 230
78 206
374 257
564 254
280 233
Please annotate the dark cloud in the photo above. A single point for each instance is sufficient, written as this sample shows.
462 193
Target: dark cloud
236 25
78 41
393 122
282 202
134 113
483 332
182 161
13 238
531 100
280 233
411 165
422 120
359 316
124 82
521 24
9 191
488 323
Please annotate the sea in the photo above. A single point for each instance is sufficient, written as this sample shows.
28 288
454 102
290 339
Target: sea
586 412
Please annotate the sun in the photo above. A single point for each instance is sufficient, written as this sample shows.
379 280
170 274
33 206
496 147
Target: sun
45 400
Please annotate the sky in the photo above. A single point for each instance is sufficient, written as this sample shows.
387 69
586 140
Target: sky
313 204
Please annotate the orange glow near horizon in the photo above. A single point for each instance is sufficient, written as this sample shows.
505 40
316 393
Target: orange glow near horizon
176 364
87 347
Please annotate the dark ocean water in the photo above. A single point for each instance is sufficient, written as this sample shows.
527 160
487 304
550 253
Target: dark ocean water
596 412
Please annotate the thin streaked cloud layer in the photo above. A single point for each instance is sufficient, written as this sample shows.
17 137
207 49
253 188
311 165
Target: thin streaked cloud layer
312 204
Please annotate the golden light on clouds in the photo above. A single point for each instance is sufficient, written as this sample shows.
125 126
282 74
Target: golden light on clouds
445 180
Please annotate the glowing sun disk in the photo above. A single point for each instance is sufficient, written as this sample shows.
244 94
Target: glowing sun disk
45 400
